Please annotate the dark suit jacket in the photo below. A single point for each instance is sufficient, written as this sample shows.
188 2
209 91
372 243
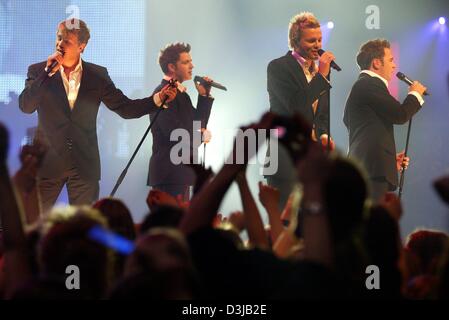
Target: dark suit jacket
179 115
290 93
369 115
71 135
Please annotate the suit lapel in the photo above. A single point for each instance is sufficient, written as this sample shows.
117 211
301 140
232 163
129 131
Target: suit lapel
300 78
57 87
296 70
82 90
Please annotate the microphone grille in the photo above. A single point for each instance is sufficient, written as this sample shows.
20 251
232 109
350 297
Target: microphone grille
320 51
400 75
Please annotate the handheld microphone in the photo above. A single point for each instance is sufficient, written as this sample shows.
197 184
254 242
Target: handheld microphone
333 64
213 83
53 64
404 78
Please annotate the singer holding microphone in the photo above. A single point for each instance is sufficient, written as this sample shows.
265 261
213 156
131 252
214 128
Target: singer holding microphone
165 173
297 85
370 113
66 92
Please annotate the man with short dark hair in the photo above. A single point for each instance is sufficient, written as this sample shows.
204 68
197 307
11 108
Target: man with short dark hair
371 112
166 172
67 102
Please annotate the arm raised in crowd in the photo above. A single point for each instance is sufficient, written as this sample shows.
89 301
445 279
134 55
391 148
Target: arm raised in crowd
287 239
205 204
14 241
254 223
25 180
269 197
313 171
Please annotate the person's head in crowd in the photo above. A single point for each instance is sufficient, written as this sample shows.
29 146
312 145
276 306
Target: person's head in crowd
443 290
428 246
4 143
161 265
66 242
119 221
230 234
441 186
383 245
345 195
162 216
159 249
46 289
169 284
2 274
33 237
118 216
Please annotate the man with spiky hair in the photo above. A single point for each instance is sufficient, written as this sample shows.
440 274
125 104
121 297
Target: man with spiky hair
297 85
165 173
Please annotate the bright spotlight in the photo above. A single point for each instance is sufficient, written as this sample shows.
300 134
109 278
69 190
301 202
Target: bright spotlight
330 25
442 20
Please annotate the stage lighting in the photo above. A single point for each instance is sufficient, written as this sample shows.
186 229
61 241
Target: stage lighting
442 20
330 25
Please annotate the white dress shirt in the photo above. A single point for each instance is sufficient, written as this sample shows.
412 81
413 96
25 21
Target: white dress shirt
373 74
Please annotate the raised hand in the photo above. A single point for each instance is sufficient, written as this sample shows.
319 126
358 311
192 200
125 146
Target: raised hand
268 195
392 203
418 87
218 220
242 151
238 220
206 135
324 139
204 88
160 198
402 162
56 56
325 63
294 134
202 175
169 91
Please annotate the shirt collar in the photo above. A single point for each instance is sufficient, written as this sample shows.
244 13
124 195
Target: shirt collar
179 86
302 61
78 68
375 75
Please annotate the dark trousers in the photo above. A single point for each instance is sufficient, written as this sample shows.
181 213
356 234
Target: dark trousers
175 190
378 187
284 186
80 191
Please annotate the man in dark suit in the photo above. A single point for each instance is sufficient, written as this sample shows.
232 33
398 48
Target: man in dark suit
297 85
67 99
371 112
168 164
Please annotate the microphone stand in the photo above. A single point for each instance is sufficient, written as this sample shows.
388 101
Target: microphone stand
125 171
204 155
401 181
204 147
